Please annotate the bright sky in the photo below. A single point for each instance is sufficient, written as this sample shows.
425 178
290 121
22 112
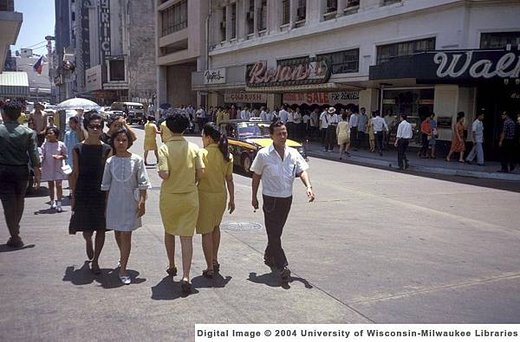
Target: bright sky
38 22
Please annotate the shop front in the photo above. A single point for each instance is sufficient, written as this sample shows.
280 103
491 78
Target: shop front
446 82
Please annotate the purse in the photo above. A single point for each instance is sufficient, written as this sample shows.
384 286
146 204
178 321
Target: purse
66 170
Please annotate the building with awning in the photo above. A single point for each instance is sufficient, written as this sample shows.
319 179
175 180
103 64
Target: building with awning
10 24
14 84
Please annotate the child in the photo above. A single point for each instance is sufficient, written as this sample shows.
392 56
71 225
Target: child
53 152
150 131
126 181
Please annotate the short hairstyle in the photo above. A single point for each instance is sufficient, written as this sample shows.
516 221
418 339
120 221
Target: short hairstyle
404 116
55 130
91 116
12 109
274 124
121 131
74 119
177 123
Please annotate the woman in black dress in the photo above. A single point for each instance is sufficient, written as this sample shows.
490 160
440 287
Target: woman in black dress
88 201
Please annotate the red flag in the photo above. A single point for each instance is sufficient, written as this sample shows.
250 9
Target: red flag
38 66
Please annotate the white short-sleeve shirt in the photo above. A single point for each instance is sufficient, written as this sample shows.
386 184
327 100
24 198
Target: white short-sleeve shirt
278 175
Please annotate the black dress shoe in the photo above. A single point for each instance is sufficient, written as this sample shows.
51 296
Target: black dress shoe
15 242
285 274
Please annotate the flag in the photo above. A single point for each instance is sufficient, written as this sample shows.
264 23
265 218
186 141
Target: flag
38 66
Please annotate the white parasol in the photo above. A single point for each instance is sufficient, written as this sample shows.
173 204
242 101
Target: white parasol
78 103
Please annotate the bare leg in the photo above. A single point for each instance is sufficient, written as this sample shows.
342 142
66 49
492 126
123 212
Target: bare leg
117 235
51 189
99 243
145 156
216 243
341 150
156 156
207 248
88 244
169 243
124 249
187 254
59 190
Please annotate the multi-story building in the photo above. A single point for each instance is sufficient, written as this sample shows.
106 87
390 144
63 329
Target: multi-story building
106 49
395 56
181 49
12 84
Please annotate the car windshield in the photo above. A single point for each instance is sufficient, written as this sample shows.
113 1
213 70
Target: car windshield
253 129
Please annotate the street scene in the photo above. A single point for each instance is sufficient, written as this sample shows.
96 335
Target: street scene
333 163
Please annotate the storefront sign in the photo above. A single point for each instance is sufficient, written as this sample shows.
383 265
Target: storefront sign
93 78
444 122
216 76
322 98
245 98
104 28
288 73
451 66
457 64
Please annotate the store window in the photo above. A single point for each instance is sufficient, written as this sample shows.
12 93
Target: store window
387 52
301 10
343 62
499 40
250 17
389 2
233 21
223 25
262 16
174 18
332 6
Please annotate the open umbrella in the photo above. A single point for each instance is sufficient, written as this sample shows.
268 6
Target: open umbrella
78 103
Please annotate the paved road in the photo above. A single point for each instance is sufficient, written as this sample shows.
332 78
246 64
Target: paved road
376 247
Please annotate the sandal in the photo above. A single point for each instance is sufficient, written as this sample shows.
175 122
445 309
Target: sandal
216 266
172 271
208 274
185 286
94 267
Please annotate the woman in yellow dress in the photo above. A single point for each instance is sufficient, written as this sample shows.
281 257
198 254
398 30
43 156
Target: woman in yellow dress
180 168
150 144
218 172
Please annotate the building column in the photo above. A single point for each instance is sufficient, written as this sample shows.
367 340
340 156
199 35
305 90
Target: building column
369 98
293 5
162 85
229 22
341 6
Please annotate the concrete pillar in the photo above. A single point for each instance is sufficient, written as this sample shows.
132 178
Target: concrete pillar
446 104
162 85
369 98
341 6
274 100
228 22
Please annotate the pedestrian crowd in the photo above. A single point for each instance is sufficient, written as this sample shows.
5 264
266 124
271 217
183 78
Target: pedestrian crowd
109 184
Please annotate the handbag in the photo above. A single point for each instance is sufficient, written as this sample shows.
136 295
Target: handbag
66 170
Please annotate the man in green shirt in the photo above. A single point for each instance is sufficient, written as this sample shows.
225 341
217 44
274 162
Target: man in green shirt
18 146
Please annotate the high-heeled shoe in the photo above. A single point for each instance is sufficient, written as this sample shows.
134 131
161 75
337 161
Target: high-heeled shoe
208 274
216 266
172 271
94 267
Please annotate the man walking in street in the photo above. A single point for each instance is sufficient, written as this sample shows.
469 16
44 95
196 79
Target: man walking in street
18 145
277 166
403 137
477 132
507 144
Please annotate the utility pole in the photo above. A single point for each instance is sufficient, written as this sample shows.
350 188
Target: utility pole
50 60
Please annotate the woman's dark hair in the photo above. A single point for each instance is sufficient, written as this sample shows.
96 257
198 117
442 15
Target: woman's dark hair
344 116
274 124
74 119
177 123
55 130
460 115
91 116
121 131
211 130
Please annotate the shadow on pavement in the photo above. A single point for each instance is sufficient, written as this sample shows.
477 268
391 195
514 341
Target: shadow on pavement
108 278
218 281
167 289
273 280
6 248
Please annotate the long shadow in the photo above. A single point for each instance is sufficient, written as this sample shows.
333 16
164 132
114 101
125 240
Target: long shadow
6 248
218 281
108 278
167 289
272 279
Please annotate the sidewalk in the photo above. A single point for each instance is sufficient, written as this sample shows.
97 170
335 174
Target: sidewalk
432 166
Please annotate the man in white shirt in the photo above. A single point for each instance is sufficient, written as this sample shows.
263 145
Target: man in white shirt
362 126
277 166
244 114
283 114
263 114
477 131
404 134
324 124
353 124
380 127
314 123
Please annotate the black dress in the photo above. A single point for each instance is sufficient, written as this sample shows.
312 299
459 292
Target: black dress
90 201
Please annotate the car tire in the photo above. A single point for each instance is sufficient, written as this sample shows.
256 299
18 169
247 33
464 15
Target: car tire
246 163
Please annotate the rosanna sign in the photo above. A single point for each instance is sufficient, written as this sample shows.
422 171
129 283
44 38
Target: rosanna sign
288 73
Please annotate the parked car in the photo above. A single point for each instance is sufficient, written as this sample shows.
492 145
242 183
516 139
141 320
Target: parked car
133 111
247 137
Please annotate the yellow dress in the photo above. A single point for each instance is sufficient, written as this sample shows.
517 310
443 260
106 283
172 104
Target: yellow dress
150 130
179 200
212 188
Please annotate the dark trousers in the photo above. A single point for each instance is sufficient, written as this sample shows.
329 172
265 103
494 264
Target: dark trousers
13 184
402 145
354 136
507 156
379 141
424 145
276 210
330 137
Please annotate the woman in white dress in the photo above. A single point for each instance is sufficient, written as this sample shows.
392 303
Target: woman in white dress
53 153
126 181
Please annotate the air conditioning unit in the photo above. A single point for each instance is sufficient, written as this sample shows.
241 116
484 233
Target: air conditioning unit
250 15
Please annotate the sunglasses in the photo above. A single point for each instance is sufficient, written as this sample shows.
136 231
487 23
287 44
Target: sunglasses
94 126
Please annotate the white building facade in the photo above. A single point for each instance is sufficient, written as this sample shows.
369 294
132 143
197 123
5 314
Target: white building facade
395 56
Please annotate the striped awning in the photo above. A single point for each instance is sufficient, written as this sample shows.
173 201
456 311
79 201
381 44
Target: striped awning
14 84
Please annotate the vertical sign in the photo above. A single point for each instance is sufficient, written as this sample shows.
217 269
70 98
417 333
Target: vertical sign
85 36
104 29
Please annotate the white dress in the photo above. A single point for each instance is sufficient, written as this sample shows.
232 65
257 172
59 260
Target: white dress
121 177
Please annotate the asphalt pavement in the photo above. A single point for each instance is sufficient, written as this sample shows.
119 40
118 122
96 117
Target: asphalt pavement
377 246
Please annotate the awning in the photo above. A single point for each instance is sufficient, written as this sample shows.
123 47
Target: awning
14 84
